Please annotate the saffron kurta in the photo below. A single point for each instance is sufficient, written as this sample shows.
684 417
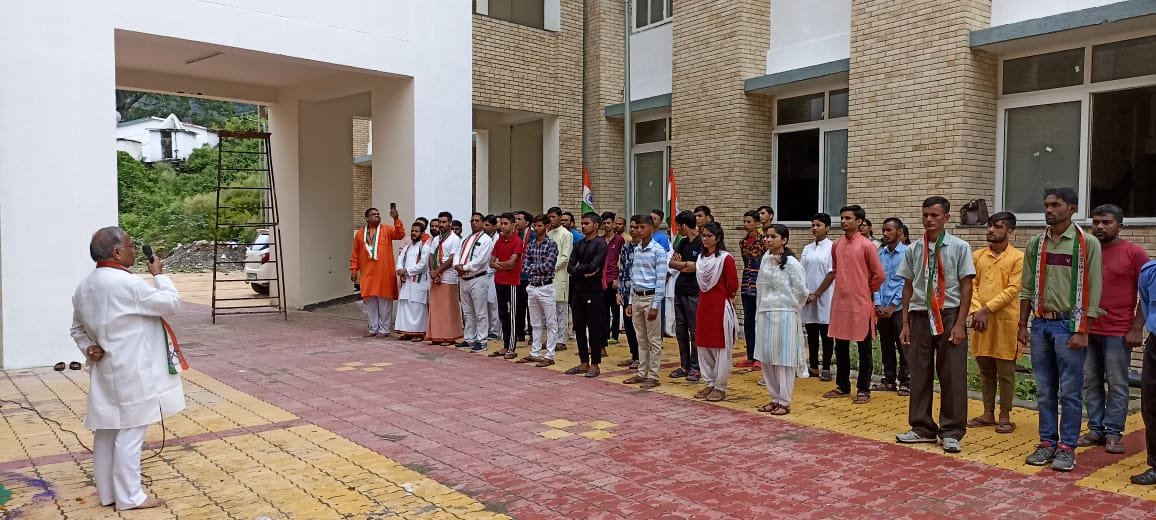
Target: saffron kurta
378 277
858 274
131 386
711 305
997 285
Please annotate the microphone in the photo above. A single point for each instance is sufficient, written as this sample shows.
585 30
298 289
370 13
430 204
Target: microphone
148 252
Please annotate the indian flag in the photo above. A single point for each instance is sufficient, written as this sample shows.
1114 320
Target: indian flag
673 206
587 194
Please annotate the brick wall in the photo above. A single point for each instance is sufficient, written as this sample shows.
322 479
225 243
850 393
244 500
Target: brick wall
522 68
721 137
603 84
362 174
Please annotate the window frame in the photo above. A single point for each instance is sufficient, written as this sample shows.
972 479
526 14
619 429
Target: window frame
824 125
667 15
1082 93
656 146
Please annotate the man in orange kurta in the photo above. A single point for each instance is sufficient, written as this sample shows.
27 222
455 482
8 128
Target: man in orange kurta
857 273
372 263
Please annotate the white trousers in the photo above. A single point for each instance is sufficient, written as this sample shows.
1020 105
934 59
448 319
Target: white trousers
715 366
562 314
116 466
667 316
492 301
542 307
475 309
780 382
380 312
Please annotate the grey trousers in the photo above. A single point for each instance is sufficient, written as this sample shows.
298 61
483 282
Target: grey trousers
380 312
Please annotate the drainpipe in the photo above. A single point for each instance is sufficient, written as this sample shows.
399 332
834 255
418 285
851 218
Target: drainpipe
628 202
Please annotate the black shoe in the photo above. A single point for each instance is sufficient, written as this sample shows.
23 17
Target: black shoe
1044 454
1065 459
1147 478
464 344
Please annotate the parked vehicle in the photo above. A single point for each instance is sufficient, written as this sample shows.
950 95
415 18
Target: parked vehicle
260 266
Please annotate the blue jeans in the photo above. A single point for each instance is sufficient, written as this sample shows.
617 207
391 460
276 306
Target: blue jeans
1107 363
1059 372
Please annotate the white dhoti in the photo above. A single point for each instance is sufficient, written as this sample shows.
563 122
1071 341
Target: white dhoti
413 295
475 310
116 466
412 317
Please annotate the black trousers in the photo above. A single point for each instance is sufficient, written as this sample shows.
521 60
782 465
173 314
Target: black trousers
1148 397
685 314
631 337
505 292
611 297
588 309
815 332
894 370
843 365
521 329
750 309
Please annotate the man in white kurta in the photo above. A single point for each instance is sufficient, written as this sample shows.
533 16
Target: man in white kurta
565 241
117 325
413 292
817 263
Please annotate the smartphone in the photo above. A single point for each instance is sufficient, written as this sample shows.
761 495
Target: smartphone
148 252
393 206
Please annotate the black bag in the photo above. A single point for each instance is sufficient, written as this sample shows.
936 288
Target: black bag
974 213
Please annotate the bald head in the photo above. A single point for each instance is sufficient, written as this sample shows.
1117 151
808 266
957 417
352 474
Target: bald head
111 243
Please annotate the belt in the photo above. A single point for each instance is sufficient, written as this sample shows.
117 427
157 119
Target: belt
1055 316
643 292
539 284
479 275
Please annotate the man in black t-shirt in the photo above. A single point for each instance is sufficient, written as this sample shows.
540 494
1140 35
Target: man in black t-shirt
686 295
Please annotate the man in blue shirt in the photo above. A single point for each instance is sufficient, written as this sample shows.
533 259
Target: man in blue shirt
888 310
1148 379
647 285
660 235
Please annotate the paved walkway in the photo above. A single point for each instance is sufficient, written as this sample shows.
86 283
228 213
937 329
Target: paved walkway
306 419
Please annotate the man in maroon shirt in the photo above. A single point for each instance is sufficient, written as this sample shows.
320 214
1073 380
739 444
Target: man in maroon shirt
507 263
1113 335
614 242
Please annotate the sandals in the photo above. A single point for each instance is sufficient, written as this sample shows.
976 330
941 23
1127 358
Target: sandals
529 359
716 395
625 362
75 365
775 409
650 383
904 391
593 372
544 363
417 339
510 355
576 370
862 398
1005 427
59 367
634 380
884 387
497 353
702 394
979 422
782 410
836 393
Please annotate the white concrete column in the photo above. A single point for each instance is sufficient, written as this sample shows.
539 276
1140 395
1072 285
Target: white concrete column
550 161
482 170
57 183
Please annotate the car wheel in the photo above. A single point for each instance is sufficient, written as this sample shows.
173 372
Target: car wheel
259 289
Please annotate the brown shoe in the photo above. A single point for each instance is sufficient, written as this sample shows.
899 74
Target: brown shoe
529 359
593 372
702 394
544 363
369 334
716 395
625 363
1114 445
650 383
1091 439
497 353
560 346
634 380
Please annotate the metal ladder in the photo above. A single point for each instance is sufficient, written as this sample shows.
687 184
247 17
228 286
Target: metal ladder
233 293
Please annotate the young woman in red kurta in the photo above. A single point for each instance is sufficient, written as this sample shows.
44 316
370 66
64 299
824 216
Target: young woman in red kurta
718 281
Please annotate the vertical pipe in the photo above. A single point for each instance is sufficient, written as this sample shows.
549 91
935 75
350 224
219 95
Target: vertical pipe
628 203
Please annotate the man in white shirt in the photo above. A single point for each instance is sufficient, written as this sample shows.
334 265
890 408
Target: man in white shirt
445 312
413 280
117 323
471 263
817 312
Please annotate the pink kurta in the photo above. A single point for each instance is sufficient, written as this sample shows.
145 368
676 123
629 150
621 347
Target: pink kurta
858 274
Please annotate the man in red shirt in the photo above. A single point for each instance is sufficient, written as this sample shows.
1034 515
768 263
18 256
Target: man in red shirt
507 263
1114 334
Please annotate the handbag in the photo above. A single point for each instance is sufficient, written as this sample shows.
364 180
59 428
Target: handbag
974 213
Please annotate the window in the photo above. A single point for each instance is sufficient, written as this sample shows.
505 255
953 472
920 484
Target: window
651 160
1097 134
810 159
651 12
523 12
650 131
166 144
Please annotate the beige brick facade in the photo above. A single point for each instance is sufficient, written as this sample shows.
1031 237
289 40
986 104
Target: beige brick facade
721 136
603 84
362 173
533 70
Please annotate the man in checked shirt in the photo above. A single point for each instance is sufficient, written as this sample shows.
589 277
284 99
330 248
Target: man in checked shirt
541 255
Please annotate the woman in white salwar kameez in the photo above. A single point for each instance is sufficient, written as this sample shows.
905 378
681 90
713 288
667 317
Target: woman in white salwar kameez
413 293
779 342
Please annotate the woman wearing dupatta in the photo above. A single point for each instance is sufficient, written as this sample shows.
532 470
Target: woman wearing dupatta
779 343
718 281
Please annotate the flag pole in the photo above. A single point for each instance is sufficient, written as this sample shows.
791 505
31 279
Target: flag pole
628 202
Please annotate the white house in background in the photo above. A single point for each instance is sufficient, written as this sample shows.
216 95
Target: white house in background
162 139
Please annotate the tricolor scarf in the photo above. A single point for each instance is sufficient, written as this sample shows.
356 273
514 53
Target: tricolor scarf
173 353
1078 294
473 242
405 261
371 244
937 284
708 271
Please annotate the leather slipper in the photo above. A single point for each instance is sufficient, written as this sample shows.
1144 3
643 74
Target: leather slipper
75 365
59 367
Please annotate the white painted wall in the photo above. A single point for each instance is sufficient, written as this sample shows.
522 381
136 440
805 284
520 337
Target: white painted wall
808 32
1012 11
57 65
147 132
651 52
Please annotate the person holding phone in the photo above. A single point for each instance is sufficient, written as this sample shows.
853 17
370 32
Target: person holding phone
371 263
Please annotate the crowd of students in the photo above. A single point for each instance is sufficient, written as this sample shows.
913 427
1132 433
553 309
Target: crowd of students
521 278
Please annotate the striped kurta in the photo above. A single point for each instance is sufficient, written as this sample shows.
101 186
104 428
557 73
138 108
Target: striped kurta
779 336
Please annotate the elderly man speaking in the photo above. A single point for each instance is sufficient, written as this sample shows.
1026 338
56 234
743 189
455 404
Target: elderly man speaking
135 363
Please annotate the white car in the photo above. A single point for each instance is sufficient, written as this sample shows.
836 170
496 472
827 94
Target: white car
260 262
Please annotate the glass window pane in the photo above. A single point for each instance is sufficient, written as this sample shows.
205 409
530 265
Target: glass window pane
650 131
1122 162
1044 71
656 14
1042 150
1126 59
798 190
641 13
800 109
835 176
649 181
523 12
838 101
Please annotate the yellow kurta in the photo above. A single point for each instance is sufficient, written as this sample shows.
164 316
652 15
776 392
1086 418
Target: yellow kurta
997 285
